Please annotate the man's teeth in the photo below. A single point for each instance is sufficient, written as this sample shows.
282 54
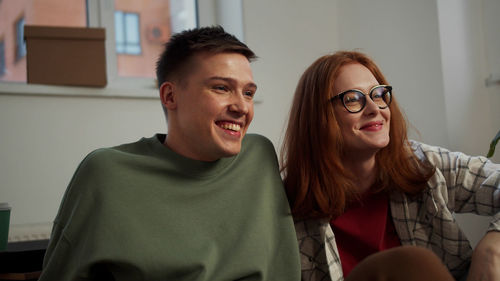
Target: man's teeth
231 126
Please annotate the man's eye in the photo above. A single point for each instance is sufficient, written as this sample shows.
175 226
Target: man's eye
220 88
249 93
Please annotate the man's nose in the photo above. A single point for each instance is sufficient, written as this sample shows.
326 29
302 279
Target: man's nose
239 104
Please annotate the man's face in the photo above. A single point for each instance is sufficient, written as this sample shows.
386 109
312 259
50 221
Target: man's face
210 110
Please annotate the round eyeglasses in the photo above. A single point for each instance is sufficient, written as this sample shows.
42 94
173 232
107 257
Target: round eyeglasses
355 100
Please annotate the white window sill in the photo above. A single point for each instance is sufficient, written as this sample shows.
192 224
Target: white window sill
127 88
124 90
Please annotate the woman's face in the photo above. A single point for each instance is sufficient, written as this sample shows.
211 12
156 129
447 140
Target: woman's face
366 131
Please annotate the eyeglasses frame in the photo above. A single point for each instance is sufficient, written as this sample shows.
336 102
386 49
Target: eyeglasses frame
370 94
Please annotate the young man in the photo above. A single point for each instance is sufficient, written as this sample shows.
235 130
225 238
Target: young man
204 202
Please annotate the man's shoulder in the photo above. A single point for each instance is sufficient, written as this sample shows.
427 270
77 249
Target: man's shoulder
256 145
257 149
256 139
137 147
107 155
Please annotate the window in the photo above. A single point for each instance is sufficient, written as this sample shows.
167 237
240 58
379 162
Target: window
133 41
2 58
20 43
15 14
127 34
137 31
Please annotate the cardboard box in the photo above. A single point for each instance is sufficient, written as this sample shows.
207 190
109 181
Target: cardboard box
65 55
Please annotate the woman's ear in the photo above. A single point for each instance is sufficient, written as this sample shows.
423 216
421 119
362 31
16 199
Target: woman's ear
167 95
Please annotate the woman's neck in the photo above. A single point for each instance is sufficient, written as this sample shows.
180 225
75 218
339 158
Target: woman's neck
364 170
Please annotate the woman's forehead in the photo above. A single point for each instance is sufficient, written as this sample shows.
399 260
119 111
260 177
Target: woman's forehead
354 76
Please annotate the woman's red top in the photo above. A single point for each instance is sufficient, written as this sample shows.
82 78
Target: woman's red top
365 228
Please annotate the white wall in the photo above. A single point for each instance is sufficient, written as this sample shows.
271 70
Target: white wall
44 138
472 109
287 35
402 36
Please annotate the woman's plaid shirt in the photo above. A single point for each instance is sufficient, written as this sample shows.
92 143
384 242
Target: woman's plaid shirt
461 184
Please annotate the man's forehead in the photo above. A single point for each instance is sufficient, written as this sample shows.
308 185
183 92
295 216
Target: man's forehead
249 84
204 57
222 65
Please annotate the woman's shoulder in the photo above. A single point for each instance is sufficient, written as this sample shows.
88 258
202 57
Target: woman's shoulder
426 152
440 156
418 146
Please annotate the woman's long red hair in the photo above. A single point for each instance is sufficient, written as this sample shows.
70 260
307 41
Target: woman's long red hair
316 181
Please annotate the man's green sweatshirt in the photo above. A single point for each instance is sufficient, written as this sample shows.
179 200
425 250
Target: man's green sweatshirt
140 211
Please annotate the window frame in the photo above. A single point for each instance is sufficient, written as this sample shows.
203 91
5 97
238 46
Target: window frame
98 15
3 65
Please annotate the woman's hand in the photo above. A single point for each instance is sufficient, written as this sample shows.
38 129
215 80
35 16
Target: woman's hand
485 264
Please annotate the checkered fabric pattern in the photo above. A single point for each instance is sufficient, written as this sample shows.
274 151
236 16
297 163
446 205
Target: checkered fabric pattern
461 184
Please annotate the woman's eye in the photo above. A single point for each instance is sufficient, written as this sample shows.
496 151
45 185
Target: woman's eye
351 99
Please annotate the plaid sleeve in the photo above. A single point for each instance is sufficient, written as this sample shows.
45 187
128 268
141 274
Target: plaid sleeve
472 183
318 251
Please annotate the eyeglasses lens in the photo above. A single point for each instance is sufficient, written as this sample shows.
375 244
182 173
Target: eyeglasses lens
354 101
381 96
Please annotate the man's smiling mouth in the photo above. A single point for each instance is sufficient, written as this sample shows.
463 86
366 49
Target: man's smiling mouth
229 126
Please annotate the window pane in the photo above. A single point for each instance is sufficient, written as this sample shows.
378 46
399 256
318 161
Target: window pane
132 28
20 45
119 29
39 12
132 49
146 26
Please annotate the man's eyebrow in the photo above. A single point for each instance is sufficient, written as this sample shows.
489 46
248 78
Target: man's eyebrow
231 80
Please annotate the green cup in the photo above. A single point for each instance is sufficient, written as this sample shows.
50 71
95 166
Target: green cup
4 225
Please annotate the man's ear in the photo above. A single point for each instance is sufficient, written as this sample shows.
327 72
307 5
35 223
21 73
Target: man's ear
168 95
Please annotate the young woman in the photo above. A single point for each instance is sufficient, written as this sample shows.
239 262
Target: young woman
349 167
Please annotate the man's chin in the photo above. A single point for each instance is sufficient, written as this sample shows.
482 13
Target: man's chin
228 147
231 151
